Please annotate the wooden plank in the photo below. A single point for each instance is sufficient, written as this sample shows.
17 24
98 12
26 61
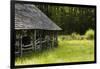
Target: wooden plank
17 52
27 51
27 48
28 45
43 41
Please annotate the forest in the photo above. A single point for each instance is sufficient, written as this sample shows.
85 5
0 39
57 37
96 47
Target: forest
70 18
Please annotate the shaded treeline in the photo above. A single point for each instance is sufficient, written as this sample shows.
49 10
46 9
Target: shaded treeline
69 18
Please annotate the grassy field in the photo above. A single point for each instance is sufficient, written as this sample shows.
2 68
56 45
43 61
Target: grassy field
67 51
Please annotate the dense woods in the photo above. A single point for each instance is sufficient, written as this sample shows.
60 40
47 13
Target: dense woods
69 18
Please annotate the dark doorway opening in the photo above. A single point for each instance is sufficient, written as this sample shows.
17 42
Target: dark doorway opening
26 40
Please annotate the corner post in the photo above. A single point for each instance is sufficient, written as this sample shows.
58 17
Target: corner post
35 39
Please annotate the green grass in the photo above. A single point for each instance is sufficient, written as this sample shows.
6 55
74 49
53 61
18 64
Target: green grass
67 51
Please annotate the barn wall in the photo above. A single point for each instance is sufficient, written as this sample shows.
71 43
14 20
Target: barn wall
39 40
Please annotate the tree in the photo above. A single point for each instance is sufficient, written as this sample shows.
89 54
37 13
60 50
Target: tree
70 19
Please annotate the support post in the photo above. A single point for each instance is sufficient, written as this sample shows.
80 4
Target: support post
40 42
35 39
55 39
32 40
21 52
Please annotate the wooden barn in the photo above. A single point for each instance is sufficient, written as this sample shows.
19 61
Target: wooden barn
34 30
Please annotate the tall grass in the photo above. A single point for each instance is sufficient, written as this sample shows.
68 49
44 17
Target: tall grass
67 51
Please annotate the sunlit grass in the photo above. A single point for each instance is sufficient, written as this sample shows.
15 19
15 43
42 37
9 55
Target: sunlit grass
67 51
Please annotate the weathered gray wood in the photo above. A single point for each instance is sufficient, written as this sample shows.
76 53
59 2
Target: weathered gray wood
28 45
34 39
17 52
33 18
40 42
21 46
27 48
53 40
56 36
56 40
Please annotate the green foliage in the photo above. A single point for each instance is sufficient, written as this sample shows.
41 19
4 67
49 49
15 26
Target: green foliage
67 51
89 34
70 19
75 36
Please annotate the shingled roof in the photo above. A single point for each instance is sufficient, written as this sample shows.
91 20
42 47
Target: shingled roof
28 16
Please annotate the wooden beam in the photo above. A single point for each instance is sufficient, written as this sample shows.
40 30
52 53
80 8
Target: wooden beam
55 39
40 41
35 39
32 40
21 52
